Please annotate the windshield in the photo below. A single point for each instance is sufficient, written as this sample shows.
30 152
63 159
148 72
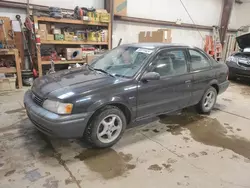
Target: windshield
122 61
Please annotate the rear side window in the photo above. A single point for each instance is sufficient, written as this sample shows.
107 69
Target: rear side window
198 60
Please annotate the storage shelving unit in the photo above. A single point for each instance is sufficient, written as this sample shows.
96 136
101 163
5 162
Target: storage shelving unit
16 69
55 42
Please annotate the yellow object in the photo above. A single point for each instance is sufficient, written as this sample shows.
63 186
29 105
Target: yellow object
68 37
68 33
105 17
94 16
94 36
50 37
68 108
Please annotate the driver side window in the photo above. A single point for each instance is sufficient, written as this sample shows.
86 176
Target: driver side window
170 63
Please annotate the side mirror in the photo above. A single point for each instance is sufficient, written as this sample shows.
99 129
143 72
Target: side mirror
151 76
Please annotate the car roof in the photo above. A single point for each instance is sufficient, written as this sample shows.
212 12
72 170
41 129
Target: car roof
157 45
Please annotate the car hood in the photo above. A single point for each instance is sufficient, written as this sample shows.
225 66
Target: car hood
74 81
243 40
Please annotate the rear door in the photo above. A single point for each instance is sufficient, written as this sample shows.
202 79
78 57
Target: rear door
203 74
172 91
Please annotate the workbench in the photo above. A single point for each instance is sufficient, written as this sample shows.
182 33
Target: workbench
16 69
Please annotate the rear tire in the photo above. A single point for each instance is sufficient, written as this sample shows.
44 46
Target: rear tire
208 101
106 127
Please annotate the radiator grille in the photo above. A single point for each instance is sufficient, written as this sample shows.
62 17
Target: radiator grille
38 100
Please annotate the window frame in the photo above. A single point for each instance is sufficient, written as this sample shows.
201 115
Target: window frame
183 49
202 54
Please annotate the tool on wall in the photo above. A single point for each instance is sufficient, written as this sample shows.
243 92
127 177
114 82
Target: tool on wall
79 12
4 33
119 43
27 55
5 44
52 63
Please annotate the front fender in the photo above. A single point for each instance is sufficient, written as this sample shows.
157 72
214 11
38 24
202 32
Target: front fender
109 101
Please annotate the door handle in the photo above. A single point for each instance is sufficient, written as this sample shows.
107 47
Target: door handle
187 81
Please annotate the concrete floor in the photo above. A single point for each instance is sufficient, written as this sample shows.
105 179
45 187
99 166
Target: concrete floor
178 151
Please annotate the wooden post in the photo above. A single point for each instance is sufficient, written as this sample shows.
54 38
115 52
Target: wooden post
226 13
39 63
18 69
109 6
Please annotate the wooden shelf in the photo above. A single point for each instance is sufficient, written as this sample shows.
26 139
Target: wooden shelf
7 52
62 62
71 21
72 42
8 70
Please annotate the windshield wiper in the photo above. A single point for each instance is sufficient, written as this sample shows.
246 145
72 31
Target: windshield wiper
89 67
101 70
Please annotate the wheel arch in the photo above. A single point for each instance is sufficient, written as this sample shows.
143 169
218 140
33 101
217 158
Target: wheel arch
215 85
120 105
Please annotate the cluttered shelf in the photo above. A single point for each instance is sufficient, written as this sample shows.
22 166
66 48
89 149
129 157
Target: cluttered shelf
7 52
72 42
90 29
62 62
70 21
8 70
10 65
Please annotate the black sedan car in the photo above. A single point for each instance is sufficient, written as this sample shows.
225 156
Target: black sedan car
239 63
127 84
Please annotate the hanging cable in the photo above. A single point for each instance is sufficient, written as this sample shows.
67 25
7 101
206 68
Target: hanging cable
191 19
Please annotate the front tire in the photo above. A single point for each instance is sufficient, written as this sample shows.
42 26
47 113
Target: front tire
208 101
106 127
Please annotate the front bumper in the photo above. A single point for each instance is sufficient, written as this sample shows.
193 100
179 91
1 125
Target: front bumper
238 71
51 124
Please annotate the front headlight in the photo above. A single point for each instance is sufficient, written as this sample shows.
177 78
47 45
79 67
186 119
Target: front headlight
58 107
233 59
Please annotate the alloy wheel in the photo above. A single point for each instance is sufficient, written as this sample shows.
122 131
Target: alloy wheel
209 100
109 128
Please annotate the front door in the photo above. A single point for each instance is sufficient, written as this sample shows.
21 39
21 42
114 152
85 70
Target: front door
172 91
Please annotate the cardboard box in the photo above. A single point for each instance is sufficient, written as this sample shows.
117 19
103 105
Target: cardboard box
104 35
68 33
120 7
43 34
80 34
87 53
162 35
90 58
105 17
50 37
56 31
69 37
59 37
73 53
43 27
8 84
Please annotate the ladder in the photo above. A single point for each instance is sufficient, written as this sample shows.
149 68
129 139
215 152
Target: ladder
217 47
